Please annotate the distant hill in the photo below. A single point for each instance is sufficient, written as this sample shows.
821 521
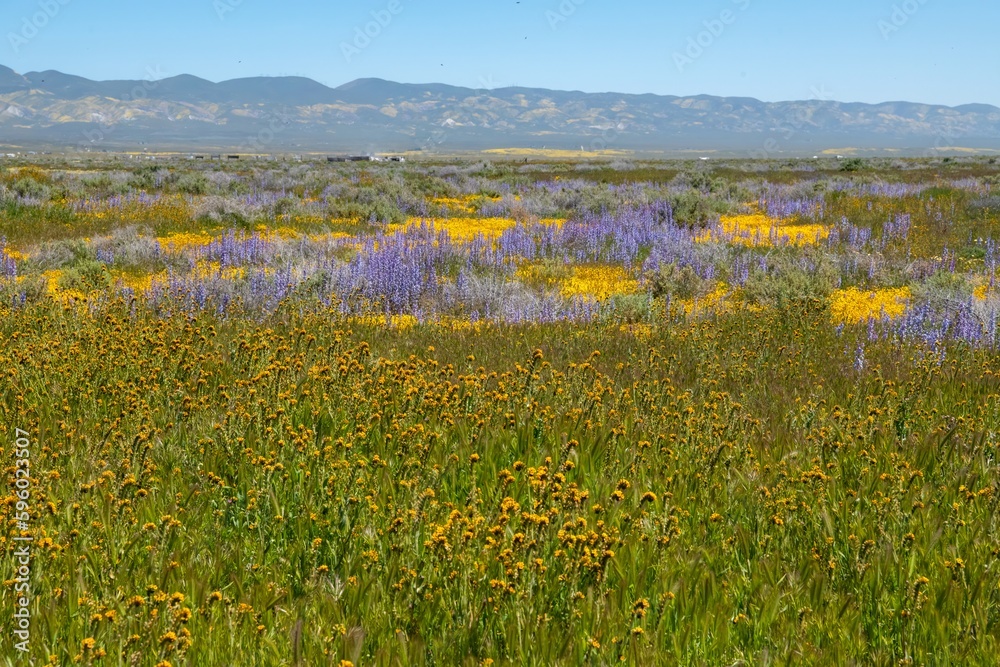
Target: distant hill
271 114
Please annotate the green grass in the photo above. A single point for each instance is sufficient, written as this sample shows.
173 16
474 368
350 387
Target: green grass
791 490
300 489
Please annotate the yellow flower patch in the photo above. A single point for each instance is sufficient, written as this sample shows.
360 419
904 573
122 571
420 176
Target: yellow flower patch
183 241
143 283
851 305
205 269
278 233
400 322
461 229
65 296
757 229
52 281
174 210
457 324
463 204
537 273
598 282
14 254
554 222
639 330
715 301
329 236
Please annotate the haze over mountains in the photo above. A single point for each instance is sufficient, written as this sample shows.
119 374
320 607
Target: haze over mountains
277 114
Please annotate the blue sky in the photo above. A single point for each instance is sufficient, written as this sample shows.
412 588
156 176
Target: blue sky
850 50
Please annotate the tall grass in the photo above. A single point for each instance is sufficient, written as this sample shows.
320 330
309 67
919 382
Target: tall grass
298 485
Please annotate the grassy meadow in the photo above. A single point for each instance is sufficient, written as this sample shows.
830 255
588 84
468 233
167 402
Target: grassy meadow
494 413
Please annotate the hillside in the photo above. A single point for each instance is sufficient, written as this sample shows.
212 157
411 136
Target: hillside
265 114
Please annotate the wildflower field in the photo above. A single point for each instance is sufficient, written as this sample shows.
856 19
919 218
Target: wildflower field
486 413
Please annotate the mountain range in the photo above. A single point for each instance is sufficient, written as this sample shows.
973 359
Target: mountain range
278 114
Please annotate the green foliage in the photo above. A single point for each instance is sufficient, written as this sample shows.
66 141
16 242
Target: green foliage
30 188
85 275
943 287
29 290
791 278
631 308
853 164
678 282
193 184
599 200
986 205
692 209
144 177
548 273
705 199
647 488
327 490
496 170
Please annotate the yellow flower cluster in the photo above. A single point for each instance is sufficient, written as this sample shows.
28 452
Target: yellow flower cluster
639 330
463 204
169 209
757 229
205 269
598 282
851 305
399 322
14 254
554 222
141 283
463 229
460 229
456 324
329 236
715 301
59 293
52 281
269 234
183 241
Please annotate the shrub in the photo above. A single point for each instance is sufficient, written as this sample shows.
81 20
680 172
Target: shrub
631 308
692 209
985 205
943 288
680 282
29 188
854 164
792 279
85 275
192 184
29 290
